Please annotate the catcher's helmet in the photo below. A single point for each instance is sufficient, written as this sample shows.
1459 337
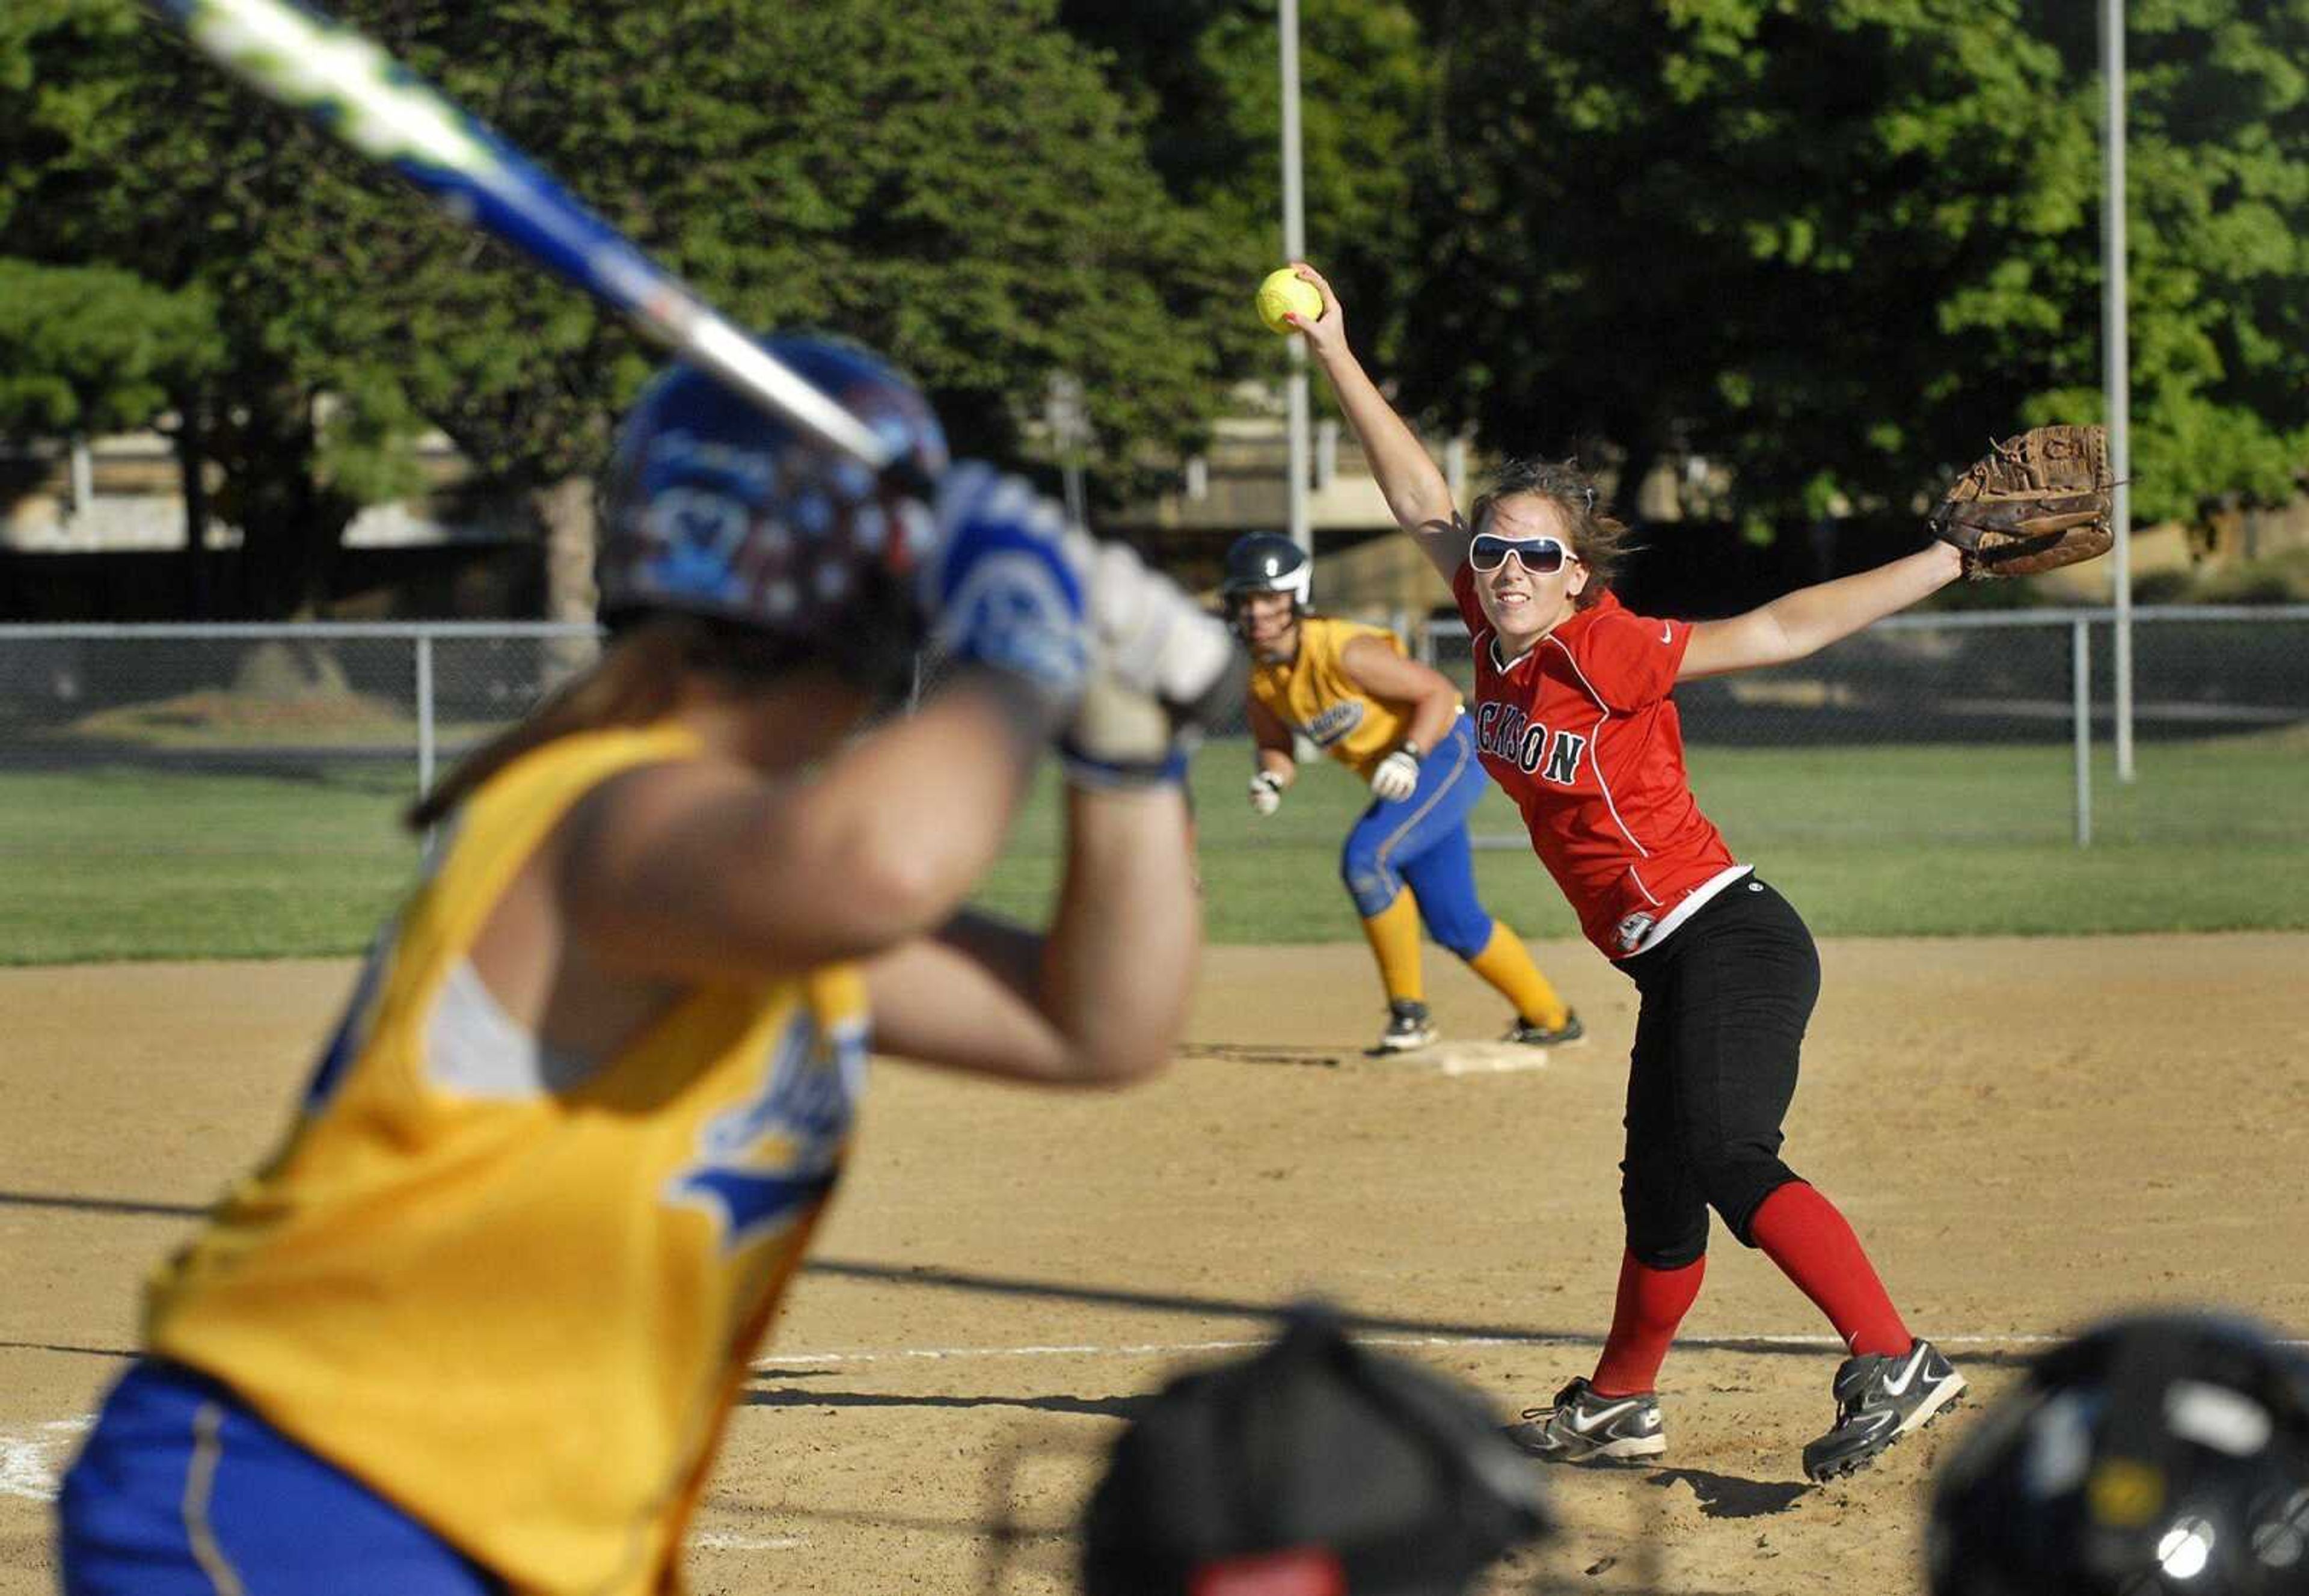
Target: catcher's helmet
1265 562
711 507
2161 1453
1313 1466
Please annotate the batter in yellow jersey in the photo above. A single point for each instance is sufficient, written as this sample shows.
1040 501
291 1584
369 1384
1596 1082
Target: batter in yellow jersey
447 1201
1351 690
476 1327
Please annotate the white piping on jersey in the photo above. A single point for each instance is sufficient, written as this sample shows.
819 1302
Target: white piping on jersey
1595 745
1637 877
1504 665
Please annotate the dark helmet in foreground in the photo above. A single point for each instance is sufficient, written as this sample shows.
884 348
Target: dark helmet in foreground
2163 1454
1314 1465
1265 562
713 509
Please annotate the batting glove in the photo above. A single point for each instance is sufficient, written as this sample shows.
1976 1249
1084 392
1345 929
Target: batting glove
1266 792
1162 666
1007 588
1153 637
1394 778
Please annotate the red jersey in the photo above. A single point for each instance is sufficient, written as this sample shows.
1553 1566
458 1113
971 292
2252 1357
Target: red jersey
1581 733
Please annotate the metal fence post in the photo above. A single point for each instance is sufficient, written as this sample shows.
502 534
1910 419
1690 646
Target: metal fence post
2080 669
424 713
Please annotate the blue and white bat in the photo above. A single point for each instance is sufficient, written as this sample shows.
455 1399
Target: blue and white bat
372 102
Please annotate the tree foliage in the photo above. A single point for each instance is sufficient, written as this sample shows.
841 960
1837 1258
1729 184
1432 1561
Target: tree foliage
95 348
1839 243
1210 72
1833 245
123 148
2218 126
958 187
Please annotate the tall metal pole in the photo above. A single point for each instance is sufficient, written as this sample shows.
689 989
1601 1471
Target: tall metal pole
2116 367
1295 248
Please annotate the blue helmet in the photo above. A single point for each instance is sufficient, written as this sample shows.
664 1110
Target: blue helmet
2163 1453
711 507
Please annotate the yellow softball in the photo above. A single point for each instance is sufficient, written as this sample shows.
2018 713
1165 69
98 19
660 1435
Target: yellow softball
1287 293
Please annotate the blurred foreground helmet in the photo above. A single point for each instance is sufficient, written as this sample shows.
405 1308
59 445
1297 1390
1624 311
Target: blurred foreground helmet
1265 562
1315 1467
711 507
2158 1455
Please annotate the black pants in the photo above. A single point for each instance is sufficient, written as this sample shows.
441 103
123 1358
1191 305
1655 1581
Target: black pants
1725 1003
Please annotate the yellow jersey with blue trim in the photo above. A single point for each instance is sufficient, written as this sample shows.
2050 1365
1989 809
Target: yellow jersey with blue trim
1313 695
514 1291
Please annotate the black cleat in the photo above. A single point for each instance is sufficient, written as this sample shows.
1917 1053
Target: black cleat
1407 1026
1583 1425
1533 1036
1880 1399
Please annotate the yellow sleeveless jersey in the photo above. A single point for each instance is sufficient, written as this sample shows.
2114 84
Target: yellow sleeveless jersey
1314 696
518 1299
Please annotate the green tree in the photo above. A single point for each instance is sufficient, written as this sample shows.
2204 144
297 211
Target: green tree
1210 73
122 148
958 187
2218 158
1837 243
95 348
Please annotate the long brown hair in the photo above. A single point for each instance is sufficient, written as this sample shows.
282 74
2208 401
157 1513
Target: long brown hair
650 656
1598 538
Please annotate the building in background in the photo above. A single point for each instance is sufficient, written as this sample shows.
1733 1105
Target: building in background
95 531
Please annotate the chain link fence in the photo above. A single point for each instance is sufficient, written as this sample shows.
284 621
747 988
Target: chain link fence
255 773
404 698
234 790
228 698
1878 734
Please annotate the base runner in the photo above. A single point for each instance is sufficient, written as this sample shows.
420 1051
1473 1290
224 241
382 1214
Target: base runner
1349 689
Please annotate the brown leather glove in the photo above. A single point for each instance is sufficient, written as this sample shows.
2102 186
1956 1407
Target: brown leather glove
2032 503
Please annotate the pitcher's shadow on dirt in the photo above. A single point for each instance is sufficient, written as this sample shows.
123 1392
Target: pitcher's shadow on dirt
1728 1496
773 1396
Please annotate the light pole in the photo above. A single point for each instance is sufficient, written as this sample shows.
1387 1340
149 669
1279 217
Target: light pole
2115 370
1295 248
1068 420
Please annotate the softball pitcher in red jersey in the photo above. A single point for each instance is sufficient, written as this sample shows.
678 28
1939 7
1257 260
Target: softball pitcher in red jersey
1575 721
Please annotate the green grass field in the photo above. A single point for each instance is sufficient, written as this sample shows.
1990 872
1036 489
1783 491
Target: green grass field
113 863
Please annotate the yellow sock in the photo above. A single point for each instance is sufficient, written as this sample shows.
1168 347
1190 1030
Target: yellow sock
1394 933
1507 965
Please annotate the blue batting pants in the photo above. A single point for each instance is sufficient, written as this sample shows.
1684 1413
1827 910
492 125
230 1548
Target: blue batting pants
181 1490
1421 841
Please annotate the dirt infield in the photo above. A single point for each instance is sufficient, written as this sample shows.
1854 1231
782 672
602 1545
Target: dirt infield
2027 1132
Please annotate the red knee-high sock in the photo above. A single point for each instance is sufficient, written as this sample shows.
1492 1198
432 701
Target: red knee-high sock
1801 1232
1652 1303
